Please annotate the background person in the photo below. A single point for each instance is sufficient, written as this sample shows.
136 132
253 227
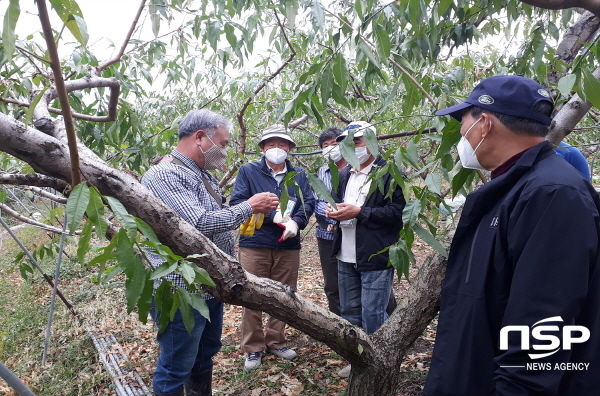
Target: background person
274 249
182 182
525 253
574 157
326 226
368 223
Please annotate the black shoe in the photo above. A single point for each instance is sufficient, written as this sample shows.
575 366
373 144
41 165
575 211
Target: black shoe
199 384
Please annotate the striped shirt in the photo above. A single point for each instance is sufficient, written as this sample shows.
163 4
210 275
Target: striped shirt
325 175
181 188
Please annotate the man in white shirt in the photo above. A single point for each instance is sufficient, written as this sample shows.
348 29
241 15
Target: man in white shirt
368 224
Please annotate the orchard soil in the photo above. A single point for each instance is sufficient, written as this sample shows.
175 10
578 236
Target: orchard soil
313 372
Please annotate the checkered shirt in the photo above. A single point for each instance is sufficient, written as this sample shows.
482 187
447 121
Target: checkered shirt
325 175
181 188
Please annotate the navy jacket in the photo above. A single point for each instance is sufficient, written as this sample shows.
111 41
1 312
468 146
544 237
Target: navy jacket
378 223
254 178
526 249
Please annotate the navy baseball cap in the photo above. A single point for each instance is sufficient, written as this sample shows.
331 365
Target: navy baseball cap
511 95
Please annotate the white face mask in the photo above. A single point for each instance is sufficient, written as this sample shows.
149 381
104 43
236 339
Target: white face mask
362 153
276 155
467 155
332 152
214 157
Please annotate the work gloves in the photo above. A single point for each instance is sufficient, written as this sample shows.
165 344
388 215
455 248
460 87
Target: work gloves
290 229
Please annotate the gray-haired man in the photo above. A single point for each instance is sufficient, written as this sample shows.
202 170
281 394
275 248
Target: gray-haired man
182 182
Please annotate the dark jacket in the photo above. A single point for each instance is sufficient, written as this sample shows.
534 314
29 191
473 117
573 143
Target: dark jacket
378 223
254 178
526 249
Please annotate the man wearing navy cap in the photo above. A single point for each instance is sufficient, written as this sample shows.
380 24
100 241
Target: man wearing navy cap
520 308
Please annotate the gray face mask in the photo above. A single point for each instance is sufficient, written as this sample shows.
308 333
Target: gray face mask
214 157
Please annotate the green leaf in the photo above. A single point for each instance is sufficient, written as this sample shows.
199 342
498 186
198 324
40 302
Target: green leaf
146 230
135 284
187 271
145 301
412 152
365 48
326 81
335 175
154 18
399 259
199 304
434 183
95 212
33 105
590 88
429 239
165 304
124 252
8 31
84 242
317 15
340 71
203 277
450 136
185 307
126 220
70 14
339 96
566 83
2 196
371 141
459 179
320 188
382 41
411 212
78 201
163 269
347 148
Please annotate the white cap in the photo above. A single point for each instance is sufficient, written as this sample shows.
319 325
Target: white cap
359 126
276 131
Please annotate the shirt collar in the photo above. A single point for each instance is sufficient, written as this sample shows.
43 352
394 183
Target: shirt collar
273 172
364 171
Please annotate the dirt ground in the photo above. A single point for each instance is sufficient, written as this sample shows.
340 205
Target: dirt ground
313 372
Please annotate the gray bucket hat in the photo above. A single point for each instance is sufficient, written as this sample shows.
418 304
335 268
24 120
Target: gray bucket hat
276 131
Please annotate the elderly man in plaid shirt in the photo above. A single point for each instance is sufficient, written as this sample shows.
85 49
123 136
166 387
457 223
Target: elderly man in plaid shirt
182 182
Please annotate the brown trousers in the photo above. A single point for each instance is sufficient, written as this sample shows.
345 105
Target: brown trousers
280 265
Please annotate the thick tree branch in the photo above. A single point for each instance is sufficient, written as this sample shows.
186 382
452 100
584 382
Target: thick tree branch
32 179
590 5
240 114
76 85
62 92
570 114
46 194
235 286
117 58
574 38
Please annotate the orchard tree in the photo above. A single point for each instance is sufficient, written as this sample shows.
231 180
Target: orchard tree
71 122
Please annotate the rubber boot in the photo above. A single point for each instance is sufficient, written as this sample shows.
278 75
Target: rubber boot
199 384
